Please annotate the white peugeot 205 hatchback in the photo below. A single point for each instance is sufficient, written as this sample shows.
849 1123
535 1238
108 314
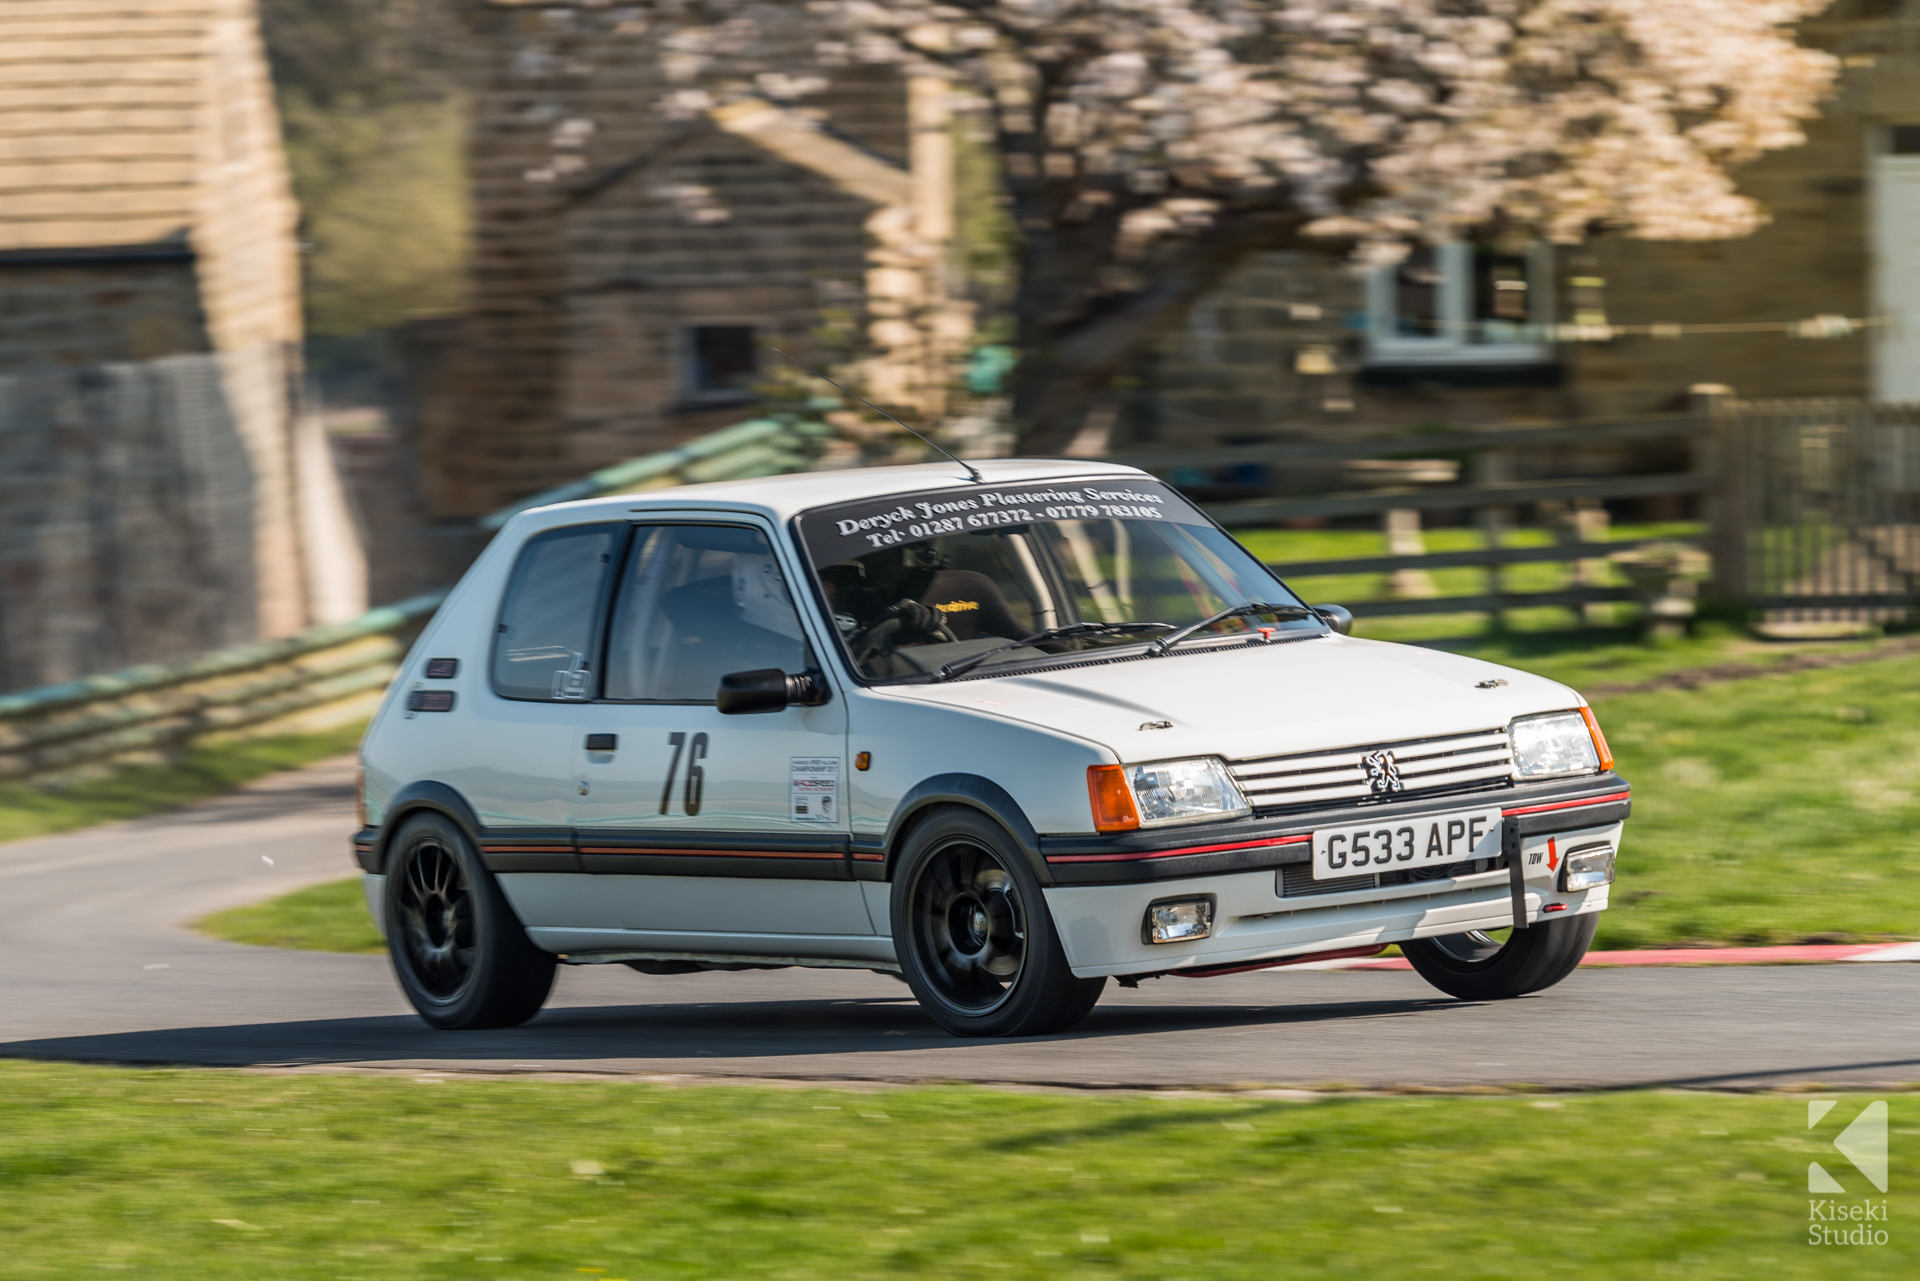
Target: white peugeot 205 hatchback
1006 738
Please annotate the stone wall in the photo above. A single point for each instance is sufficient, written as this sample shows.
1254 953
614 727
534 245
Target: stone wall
147 252
128 520
68 310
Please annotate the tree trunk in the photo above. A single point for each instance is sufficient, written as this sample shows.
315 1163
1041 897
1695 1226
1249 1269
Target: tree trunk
1074 339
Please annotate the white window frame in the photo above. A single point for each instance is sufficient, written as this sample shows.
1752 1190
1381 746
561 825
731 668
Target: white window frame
1893 196
1456 343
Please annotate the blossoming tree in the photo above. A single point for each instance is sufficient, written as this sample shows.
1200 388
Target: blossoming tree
1150 145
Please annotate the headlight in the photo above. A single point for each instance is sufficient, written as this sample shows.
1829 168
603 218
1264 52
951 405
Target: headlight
1557 743
1163 793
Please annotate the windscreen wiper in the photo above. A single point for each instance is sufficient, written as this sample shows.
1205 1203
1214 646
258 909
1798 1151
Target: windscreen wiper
1166 643
959 665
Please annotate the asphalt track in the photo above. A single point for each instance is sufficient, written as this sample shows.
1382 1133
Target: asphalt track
96 964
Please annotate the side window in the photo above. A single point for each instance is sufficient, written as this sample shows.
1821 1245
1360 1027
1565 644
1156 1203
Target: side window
545 639
696 602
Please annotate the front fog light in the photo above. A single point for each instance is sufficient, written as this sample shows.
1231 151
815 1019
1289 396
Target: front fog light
1558 743
1587 866
1185 791
1178 920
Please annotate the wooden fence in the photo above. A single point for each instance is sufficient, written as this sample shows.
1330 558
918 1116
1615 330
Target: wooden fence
1812 507
1491 458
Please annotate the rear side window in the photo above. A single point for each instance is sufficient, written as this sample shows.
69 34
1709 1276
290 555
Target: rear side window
545 639
696 602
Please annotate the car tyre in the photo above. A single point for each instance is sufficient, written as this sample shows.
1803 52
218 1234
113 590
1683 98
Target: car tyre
975 940
1476 967
461 955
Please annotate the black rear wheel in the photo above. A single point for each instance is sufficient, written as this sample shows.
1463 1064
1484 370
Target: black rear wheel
1491 965
461 955
973 934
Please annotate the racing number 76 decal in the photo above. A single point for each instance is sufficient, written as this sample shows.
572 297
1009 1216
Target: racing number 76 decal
696 775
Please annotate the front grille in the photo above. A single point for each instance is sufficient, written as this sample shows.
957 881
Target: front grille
1296 879
1451 762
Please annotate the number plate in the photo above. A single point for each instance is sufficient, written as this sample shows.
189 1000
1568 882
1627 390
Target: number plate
1390 844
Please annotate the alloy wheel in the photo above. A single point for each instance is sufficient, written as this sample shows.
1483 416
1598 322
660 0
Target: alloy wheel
969 927
436 920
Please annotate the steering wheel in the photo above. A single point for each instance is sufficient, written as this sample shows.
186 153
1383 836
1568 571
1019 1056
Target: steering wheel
870 639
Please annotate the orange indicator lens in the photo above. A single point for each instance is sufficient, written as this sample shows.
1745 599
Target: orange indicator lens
1599 739
1113 809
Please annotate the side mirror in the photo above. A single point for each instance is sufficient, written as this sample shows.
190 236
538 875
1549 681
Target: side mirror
1338 617
768 689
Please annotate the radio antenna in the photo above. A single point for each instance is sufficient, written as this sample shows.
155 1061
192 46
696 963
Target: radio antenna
973 473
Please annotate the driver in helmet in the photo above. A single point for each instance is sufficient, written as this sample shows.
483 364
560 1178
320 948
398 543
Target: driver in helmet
935 602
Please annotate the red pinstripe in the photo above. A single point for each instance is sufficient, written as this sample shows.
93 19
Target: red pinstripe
1191 849
1567 805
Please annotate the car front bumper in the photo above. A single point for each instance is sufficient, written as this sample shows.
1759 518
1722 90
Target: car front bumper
1248 844
1100 925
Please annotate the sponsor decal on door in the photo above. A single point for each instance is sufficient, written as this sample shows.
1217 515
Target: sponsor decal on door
815 787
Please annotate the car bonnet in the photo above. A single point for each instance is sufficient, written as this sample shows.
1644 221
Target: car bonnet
1308 695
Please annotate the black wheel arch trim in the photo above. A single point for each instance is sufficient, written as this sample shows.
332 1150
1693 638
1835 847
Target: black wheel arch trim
371 843
875 857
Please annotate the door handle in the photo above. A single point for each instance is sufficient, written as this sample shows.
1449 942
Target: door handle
603 742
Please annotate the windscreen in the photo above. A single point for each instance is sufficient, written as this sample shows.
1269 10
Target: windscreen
919 582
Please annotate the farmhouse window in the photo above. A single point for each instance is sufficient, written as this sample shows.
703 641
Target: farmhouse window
722 361
1461 303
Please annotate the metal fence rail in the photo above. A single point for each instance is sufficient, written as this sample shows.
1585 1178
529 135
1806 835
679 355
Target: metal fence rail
326 675
1819 508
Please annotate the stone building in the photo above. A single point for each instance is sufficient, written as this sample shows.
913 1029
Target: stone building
633 270
147 242
1470 334
144 205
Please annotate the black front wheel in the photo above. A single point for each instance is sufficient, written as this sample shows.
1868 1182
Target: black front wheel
461 955
973 935
1483 965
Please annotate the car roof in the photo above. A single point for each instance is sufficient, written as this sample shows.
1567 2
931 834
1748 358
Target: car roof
780 497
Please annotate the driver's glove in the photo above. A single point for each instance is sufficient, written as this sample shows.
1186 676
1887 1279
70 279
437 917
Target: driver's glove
915 617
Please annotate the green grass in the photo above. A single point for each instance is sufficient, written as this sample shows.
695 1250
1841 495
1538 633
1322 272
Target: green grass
1596 659
207 1175
1770 810
321 918
29 810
